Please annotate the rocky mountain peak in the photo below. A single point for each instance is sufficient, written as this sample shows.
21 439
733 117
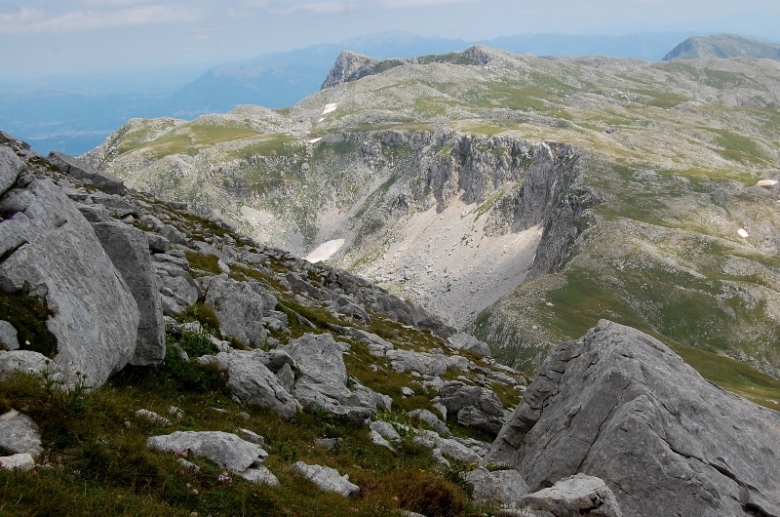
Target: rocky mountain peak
349 66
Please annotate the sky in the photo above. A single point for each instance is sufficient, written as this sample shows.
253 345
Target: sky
75 37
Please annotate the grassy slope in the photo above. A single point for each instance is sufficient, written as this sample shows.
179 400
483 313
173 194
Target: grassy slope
96 461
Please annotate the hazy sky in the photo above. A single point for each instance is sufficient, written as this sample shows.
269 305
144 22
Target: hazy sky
54 37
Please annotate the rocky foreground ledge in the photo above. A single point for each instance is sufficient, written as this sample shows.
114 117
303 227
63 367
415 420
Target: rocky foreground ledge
619 405
614 423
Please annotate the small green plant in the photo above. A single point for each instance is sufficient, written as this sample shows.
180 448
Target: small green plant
202 313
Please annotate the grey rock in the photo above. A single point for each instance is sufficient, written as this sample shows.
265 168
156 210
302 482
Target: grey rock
10 168
385 429
30 362
225 449
473 417
173 235
19 434
188 465
448 446
128 249
619 405
328 443
429 419
8 335
323 379
261 475
94 214
153 417
326 478
240 307
425 363
80 170
377 346
116 205
252 437
286 377
378 439
17 462
95 316
475 406
178 291
575 495
469 343
157 243
500 487
252 383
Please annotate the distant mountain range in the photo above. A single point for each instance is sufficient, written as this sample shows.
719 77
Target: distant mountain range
77 118
723 46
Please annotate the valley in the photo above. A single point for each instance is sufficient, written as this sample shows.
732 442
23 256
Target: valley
644 173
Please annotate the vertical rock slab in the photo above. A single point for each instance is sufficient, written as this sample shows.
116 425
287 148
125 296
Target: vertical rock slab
621 406
85 172
55 252
128 249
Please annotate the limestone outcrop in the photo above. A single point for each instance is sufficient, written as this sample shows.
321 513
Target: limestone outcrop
619 405
44 242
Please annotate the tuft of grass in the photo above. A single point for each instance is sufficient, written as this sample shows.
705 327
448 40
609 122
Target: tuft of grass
208 263
202 313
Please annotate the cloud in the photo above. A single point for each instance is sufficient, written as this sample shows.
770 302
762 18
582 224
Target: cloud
36 21
393 4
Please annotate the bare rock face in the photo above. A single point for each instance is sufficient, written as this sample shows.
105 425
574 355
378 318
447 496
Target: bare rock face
348 67
129 251
619 405
47 244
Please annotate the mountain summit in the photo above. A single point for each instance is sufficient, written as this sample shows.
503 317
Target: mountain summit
723 46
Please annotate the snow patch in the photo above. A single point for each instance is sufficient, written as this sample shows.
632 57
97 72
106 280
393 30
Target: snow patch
315 140
329 108
324 251
743 233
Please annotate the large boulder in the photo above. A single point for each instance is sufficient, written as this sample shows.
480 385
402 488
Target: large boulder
49 246
575 495
251 382
225 449
326 478
323 380
500 487
240 307
619 405
129 251
475 406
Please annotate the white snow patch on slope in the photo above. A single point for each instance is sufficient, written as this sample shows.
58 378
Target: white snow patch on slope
324 251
